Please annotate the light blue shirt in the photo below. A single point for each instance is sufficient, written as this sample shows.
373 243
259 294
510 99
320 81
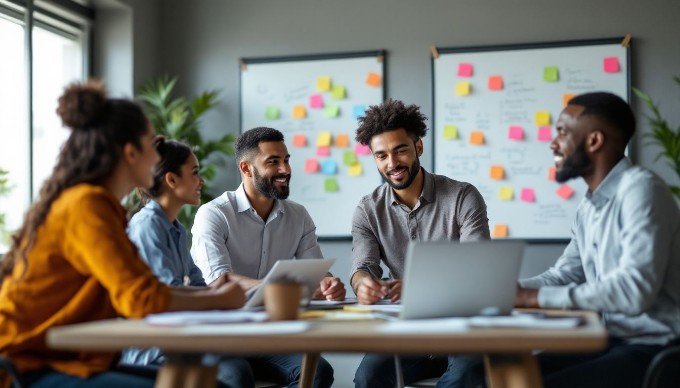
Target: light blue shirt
229 236
623 259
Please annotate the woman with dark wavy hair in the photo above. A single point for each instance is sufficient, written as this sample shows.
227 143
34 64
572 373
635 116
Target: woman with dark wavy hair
71 261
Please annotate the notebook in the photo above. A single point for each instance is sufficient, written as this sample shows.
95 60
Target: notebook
309 272
452 279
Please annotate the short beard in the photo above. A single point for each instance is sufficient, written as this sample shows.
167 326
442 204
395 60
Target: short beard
575 165
412 173
267 187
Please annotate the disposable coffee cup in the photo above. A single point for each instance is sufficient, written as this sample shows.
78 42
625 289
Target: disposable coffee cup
282 300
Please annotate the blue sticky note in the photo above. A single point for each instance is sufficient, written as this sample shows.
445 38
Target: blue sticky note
329 167
359 110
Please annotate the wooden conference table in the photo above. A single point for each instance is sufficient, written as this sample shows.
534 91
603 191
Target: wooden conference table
507 352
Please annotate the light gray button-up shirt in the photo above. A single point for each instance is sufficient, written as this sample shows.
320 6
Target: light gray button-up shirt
229 236
623 259
382 226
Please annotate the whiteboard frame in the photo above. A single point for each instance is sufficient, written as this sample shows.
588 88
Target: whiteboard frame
244 62
624 41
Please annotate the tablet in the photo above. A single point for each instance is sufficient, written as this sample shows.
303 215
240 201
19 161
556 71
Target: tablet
308 272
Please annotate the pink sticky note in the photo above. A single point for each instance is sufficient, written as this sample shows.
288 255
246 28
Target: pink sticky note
516 132
611 65
544 134
565 192
528 195
361 149
311 165
316 101
464 69
323 151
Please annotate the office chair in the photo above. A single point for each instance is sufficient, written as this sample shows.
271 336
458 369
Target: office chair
663 371
7 367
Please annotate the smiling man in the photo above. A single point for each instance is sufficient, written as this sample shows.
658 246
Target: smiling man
411 205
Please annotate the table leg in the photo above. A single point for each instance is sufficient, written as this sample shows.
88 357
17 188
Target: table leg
186 371
512 371
309 364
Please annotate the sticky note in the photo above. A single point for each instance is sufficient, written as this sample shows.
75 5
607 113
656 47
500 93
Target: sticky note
516 132
528 195
477 138
342 140
611 65
551 74
329 167
323 83
323 139
356 169
500 231
544 134
331 111
339 92
542 117
311 166
497 172
315 101
462 88
299 140
361 149
323 151
505 193
272 113
565 192
349 158
299 112
495 82
331 185
551 173
358 111
566 98
374 79
450 132
464 69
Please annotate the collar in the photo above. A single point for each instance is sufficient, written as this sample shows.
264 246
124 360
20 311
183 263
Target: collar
426 196
243 204
158 211
609 185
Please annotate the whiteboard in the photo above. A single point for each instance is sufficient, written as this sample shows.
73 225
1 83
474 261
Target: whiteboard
332 90
494 115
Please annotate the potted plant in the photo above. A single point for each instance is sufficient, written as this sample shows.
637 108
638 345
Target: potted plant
179 118
663 136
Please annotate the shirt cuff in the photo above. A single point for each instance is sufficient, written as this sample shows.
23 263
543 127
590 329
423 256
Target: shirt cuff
555 297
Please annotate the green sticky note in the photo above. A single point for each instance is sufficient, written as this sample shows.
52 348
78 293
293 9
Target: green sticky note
272 113
450 132
339 92
331 111
349 158
551 74
331 185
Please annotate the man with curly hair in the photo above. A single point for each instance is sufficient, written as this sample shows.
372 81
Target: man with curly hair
413 204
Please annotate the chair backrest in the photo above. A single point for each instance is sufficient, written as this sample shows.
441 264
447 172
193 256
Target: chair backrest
664 370
7 368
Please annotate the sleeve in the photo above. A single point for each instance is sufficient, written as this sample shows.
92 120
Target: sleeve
209 243
568 270
308 247
152 241
365 246
195 275
96 244
472 218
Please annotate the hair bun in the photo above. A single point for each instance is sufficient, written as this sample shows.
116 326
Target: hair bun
82 105
159 141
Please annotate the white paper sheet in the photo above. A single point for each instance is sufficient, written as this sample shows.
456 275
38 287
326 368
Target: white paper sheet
181 318
425 326
265 328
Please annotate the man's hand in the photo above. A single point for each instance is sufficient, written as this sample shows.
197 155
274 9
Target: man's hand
370 290
526 297
233 295
331 288
222 279
394 290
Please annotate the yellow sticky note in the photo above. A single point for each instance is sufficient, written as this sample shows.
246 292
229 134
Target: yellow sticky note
500 231
450 132
323 83
462 88
355 169
497 172
299 112
339 92
542 117
323 139
505 193
477 138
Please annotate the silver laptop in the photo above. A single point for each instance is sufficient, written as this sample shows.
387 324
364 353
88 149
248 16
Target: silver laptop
449 279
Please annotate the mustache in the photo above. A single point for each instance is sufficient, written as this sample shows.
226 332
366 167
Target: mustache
396 170
286 176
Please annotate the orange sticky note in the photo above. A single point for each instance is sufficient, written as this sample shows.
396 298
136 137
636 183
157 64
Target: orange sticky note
299 140
495 82
505 193
527 194
311 166
611 65
565 192
551 174
462 88
477 138
450 132
299 112
323 83
497 172
342 140
542 118
500 231
323 139
566 98
374 79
